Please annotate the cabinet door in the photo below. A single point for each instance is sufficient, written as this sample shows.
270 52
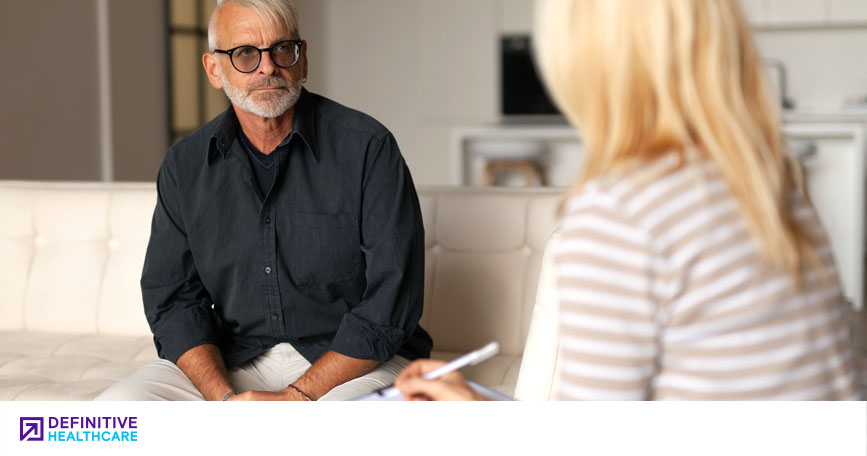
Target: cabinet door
795 11
835 182
842 11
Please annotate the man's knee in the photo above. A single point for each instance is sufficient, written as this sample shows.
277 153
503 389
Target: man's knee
155 381
381 377
124 391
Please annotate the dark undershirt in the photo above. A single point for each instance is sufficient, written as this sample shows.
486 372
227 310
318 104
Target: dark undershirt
264 165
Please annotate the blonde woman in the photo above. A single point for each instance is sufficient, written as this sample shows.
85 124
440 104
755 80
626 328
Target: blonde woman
692 265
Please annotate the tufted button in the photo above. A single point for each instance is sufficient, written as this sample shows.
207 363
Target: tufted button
39 240
113 243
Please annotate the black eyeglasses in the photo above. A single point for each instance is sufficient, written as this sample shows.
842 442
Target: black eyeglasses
246 59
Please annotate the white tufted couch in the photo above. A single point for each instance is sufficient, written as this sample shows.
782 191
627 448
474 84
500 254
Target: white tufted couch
71 254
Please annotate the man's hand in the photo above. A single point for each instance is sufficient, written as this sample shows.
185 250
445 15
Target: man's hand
450 387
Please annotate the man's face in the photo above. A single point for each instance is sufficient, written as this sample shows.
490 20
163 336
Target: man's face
269 90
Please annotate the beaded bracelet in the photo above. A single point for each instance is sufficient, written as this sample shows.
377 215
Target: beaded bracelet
302 393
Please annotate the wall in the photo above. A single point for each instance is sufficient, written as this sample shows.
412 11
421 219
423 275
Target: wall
138 88
50 118
425 67
419 67
825 67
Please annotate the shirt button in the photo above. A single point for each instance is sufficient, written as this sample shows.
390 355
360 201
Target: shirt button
267 220
267 269
274 317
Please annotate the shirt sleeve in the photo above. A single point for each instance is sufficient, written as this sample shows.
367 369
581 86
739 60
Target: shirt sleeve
177 306
392 242
608 315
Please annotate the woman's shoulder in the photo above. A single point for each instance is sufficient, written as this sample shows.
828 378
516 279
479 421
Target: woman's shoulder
630 189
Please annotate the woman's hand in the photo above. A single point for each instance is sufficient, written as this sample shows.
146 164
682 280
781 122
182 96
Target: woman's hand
450 387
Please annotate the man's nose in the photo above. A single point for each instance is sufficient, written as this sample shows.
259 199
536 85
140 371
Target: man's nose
266 65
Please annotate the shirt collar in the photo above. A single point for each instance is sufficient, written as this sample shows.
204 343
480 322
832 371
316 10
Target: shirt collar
303 125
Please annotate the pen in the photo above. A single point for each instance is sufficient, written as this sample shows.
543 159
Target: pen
470 359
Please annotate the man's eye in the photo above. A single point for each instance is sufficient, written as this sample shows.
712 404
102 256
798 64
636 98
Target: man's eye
244 52
282 48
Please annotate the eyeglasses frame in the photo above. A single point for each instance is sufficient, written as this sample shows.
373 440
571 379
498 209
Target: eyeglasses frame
297 43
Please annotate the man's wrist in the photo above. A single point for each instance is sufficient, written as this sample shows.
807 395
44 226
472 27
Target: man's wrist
228 395
300 392
309 387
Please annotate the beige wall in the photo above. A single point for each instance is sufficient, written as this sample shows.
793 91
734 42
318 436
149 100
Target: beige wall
419 67
49 118
138 88
50 93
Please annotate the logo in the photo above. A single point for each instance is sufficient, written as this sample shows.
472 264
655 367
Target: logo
78 429
31 428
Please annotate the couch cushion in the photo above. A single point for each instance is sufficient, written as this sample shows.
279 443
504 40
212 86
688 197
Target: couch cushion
52 366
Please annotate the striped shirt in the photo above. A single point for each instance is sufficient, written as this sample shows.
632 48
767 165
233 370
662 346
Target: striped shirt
664 295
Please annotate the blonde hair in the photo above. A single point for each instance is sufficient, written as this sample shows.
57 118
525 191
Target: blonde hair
642 78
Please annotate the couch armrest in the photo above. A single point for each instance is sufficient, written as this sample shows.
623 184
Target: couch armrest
538 366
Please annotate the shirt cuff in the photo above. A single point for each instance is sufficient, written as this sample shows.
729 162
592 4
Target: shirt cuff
361 339
185 329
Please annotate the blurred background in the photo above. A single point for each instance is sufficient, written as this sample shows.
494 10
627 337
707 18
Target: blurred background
97 89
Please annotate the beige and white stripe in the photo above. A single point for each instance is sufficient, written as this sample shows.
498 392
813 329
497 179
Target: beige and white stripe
664 295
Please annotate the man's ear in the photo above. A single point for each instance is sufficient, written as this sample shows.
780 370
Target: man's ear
212 69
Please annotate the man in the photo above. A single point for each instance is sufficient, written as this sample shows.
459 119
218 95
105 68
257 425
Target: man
286 259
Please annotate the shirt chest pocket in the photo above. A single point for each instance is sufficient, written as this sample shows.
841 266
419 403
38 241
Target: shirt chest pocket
325 248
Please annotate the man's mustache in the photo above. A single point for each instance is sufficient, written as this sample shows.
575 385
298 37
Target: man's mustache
271 81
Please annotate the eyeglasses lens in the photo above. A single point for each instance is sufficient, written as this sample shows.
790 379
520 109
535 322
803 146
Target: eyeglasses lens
284 54
246 58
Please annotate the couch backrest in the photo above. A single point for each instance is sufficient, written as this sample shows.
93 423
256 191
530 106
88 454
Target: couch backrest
483 251
71 256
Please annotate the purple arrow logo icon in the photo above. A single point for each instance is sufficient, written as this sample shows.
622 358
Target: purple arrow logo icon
31 428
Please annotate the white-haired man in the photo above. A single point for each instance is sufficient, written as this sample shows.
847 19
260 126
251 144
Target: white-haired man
286 259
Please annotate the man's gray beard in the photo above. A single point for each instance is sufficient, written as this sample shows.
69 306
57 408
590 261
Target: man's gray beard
268 104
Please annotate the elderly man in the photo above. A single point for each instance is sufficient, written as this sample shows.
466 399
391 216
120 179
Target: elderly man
286 259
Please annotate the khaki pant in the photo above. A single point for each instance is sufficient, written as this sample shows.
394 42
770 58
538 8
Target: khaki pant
273 370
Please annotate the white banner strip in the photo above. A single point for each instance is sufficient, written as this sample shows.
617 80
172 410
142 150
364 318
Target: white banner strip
521 428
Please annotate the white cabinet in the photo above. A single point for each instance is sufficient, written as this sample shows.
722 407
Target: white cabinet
836 184
847 11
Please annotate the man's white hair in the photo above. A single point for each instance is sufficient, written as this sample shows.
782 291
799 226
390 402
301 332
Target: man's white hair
275 14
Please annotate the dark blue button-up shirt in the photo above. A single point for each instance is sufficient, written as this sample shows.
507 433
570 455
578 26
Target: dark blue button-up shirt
331 258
